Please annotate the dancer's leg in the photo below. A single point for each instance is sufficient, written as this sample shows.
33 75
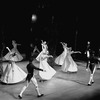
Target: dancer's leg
24 88
88 64
34 81
92 71
90 80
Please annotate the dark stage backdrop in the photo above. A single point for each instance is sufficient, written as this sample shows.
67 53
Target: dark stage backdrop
74 23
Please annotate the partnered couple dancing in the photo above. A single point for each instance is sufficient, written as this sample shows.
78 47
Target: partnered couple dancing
46 72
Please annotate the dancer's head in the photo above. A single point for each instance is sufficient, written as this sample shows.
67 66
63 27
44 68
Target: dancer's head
30 59
88 42
31 45
13 41
44 47
88 45
43 43
65 44
70 48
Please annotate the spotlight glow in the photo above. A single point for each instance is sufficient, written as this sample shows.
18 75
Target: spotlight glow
34 17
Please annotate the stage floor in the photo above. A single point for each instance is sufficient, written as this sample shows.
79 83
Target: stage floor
63 86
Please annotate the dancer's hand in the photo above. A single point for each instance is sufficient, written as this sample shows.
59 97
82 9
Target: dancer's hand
50 56
79 52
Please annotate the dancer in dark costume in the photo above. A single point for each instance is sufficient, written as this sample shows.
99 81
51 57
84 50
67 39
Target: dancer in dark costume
34 51
87 52
31 78
92 67
91 63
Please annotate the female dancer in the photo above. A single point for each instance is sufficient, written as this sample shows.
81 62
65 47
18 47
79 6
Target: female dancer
18 56
50 72
60 59
42 58
92 67
69 64
13 73
44 49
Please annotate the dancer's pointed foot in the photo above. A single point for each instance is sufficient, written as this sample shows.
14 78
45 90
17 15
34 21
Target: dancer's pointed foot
40 95
89 84
20 97
92 82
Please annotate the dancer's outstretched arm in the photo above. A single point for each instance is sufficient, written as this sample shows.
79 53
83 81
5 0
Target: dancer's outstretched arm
77 52
36 68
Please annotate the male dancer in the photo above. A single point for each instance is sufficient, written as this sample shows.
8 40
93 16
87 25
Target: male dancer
91 63
87 52
30 77
92 67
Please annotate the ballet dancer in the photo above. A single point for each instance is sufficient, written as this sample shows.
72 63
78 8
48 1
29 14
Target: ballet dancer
31 78
87 52
92 67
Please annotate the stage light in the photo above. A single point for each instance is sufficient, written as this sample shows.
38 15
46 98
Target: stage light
34 18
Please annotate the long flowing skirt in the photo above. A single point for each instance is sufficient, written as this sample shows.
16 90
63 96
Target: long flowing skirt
60 59
39 56
50 72
13 74
17 57
1 69
69 65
